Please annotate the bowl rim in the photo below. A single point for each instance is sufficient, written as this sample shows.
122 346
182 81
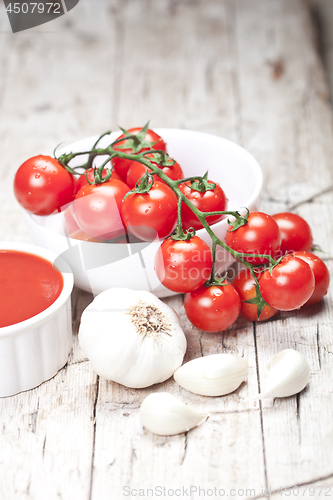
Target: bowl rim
66 291
256 169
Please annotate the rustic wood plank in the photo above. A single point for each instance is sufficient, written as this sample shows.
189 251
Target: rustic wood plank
185 79
286 122
47 434
46 438
213 454
186 103
317 489
322 11
285 117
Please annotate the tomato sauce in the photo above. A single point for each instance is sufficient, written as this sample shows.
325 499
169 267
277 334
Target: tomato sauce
28 285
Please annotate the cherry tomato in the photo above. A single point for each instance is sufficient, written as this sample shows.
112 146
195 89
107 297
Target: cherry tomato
42 185
82 180
245 286
121 166
97 209
213 308
138 170
209 201
152 214
321 274
183 266
289 286
72 228
261 235
295 233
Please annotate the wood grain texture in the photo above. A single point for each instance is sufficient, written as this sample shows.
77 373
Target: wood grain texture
246 70
322 12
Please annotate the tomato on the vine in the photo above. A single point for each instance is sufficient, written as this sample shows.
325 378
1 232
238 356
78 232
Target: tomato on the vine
147 139
321 274
152 214
82 180
261 235
138 170
289 285
97 209
183 265
42 185
245 286
213 308
210 200
295 233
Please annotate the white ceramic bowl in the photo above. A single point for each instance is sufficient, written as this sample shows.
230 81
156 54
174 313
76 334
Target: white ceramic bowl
99 266
33 350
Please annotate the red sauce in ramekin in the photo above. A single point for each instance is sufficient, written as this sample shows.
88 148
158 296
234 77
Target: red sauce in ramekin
29 284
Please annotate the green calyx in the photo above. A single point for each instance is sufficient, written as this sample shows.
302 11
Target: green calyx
202 185
161 158
273 264
143 185
257 300
239 222
98 175
216 281
135 142
180 235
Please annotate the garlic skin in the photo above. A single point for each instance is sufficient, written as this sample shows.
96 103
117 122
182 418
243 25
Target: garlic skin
214 375
163 414
132 337
289 374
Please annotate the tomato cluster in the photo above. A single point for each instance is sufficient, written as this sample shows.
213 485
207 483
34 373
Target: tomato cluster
296 278
109 205
125 198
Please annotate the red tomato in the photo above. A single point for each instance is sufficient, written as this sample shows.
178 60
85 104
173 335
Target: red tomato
82 180
138 170
97 209
289 286
245 286
121 166
42 185
295 233
321 274
261 235
183 266
208 201
213 308
153 214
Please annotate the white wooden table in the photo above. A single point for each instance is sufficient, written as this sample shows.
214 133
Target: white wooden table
247 70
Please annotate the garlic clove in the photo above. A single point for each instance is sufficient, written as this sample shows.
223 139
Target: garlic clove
214 375
163 414
289 374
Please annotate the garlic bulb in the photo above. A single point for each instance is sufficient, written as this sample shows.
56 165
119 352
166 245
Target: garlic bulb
163 414
213 375
289 373
132 337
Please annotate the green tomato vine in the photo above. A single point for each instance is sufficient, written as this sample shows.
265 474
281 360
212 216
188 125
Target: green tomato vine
146 182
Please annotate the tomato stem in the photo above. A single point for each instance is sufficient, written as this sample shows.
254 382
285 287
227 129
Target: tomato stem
179 232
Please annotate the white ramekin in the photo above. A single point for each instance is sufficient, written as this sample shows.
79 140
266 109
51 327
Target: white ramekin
33 350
